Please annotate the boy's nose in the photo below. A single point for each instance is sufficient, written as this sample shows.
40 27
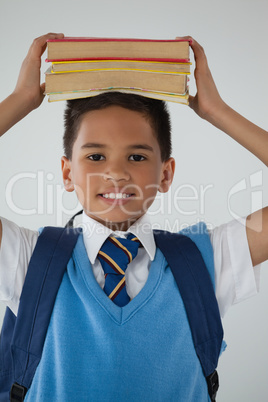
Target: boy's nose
116 172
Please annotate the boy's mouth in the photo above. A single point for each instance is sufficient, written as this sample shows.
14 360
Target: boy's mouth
116 196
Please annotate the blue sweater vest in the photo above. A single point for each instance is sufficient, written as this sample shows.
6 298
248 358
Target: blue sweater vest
97 351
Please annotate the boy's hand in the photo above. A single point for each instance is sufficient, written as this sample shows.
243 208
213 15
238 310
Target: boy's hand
208 104
28 93
28 85
207 99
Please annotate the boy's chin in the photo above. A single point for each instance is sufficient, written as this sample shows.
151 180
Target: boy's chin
115 224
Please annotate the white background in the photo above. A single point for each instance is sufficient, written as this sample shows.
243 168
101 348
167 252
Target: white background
234 35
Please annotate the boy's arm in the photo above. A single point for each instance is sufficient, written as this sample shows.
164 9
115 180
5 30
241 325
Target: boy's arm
208 104
28 93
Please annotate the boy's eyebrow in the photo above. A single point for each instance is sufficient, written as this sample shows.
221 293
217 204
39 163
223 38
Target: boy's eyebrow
141 146
92 145
134 146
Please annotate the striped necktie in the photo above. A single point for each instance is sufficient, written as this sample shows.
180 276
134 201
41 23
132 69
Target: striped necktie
115 255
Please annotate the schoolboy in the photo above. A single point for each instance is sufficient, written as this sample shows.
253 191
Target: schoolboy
117 149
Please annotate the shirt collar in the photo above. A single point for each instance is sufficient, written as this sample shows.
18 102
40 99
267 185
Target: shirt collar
95 234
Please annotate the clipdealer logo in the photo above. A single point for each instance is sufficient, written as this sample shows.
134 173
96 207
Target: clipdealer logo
47 197
185 200
253 185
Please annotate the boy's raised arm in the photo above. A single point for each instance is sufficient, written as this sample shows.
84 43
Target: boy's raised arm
28 93
208 104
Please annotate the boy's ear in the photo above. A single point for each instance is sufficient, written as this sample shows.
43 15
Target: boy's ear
67 174
168 170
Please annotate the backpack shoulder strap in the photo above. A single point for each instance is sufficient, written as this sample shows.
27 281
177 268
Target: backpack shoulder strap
197 292
46 268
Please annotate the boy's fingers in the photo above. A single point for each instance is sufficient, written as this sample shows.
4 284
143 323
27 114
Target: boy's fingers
187 37
39 44
43 88
199 53
193 102
191 98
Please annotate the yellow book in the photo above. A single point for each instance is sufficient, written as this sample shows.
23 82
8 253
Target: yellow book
63 96
88 80
109 65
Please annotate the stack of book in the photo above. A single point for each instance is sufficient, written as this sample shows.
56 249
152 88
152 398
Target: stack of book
83 67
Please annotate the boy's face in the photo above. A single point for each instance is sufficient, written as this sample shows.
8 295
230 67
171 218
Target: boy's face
116 168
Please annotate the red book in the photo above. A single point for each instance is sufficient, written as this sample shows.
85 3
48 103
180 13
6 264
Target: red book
70 49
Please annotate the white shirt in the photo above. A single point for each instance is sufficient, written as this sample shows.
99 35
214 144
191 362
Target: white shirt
235 278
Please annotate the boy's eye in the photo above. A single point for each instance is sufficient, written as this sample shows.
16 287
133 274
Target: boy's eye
96 157
136 158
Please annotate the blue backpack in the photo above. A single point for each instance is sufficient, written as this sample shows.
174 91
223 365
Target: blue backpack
22 337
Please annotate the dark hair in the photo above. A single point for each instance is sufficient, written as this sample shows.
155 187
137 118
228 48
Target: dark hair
154 110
